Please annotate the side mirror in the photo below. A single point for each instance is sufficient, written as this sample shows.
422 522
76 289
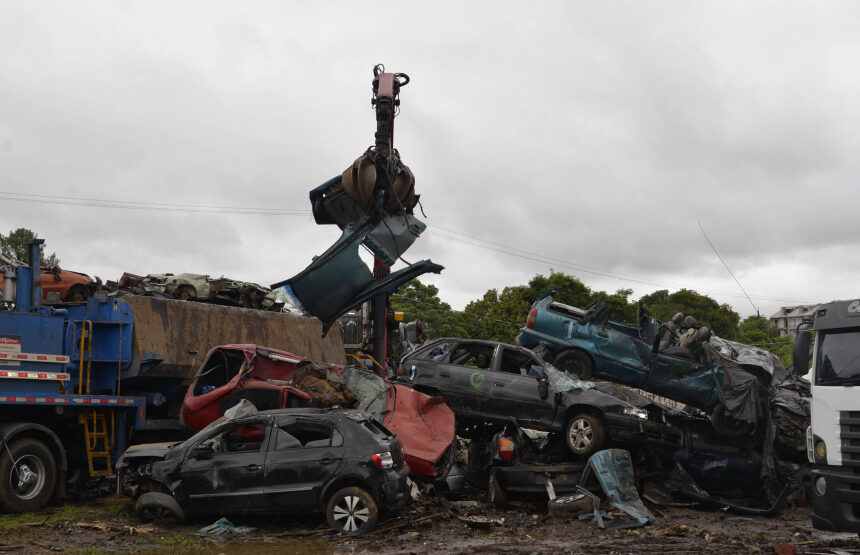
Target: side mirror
543 388
201 452
800 352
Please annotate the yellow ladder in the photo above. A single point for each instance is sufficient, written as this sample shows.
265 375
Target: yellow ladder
98 441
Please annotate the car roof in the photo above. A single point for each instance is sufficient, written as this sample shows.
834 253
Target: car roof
322 413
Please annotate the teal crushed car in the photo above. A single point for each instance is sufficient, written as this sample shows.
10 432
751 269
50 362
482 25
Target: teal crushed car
687 365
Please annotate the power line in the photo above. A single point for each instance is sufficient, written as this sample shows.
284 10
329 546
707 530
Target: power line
727 267
151 206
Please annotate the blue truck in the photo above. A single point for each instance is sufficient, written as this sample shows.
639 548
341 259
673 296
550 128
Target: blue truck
81 381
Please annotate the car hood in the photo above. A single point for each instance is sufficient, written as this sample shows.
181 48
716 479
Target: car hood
145 451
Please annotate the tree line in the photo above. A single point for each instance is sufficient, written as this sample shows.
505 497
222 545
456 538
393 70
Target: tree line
498 315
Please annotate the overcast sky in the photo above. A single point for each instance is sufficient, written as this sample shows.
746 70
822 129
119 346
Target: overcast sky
588 137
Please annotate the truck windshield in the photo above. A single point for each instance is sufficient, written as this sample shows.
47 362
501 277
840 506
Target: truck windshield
839 359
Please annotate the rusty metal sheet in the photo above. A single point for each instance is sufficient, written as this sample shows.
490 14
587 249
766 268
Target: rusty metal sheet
181 333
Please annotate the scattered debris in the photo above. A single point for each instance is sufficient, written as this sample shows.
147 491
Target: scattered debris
223 526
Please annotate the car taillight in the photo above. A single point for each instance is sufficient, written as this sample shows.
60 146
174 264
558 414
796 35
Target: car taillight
383 460
506 449
530 321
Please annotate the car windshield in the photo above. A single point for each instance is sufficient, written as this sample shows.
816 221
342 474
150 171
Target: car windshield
562 381
839 358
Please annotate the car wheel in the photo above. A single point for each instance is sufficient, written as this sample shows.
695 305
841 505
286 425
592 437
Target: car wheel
28 474
584 434
495 494
352 511
575 363
157 506
727 426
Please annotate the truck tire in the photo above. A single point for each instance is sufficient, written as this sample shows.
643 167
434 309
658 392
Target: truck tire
28 476
576 363
584 434
157 506
352 511
727 426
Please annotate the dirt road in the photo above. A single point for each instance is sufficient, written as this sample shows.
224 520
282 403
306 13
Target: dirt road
109 525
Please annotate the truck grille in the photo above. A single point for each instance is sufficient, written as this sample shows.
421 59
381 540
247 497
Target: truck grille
849 433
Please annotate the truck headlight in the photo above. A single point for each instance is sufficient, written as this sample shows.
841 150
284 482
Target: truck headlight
820 449
636 411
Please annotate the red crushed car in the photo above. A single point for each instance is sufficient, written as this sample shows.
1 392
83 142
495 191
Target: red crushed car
272 379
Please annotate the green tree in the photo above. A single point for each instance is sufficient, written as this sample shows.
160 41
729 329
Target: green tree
421 302
722 320
15 246
761 332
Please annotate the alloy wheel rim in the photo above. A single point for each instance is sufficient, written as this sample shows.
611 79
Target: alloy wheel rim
581 434
351 513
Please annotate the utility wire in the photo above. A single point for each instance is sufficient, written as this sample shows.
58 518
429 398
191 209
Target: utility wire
439 231
727 268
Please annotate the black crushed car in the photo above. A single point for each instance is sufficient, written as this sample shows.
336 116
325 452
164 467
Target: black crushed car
490 382
289 461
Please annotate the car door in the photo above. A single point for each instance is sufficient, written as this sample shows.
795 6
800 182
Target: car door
228 477
302 457
464 376
628 357
517 395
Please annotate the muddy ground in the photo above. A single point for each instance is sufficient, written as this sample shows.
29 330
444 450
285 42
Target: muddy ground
109 525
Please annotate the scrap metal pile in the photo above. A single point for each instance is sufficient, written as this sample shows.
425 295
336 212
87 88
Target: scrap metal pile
541 420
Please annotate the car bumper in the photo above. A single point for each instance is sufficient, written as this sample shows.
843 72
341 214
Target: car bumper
632 429
395 489
839 508
530 478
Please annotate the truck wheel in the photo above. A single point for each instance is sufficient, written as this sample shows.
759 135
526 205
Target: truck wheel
584 434
157 506
351 511
575 363
727 426
28 476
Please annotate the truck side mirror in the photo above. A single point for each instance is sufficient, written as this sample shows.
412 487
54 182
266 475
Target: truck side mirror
543 388
800 352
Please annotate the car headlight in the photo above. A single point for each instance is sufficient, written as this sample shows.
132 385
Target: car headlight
636 411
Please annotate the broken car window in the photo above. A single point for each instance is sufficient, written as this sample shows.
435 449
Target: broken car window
218 370
239 438
518 362
306 434
474 355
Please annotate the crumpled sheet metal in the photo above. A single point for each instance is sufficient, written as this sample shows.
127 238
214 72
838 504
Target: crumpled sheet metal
613 470
562 381
223 527
338 280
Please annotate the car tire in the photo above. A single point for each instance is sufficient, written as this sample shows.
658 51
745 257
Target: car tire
28 473
584 434
576 363
495 494
727 426
352 511
157 506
